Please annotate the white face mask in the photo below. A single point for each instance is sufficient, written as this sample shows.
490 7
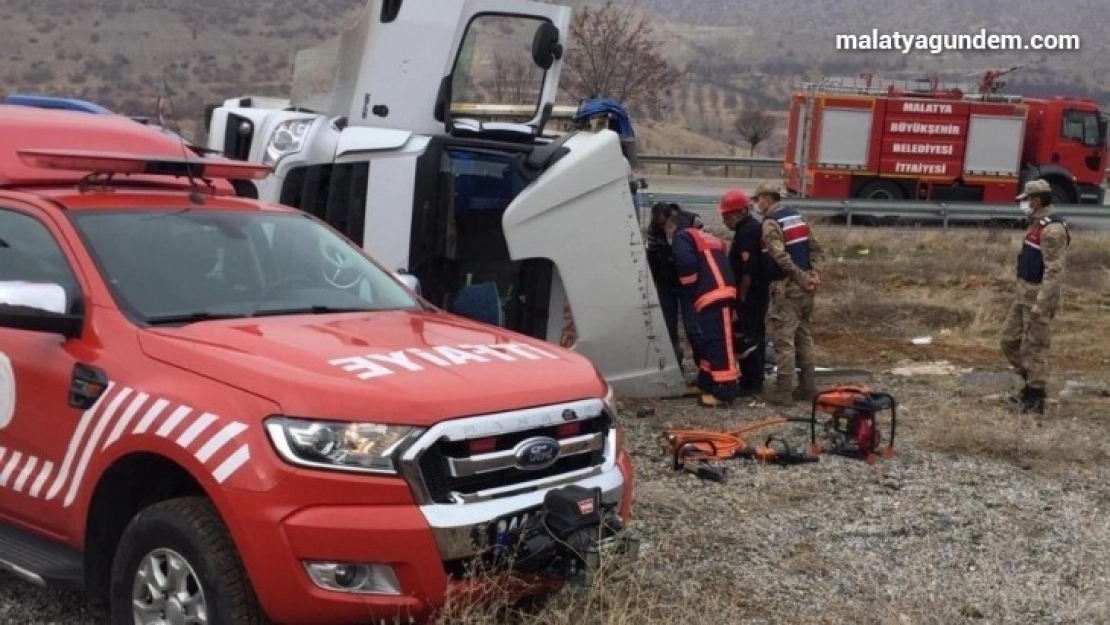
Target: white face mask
757 214
1026 209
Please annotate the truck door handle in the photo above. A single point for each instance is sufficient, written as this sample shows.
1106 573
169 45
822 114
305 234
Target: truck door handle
87 385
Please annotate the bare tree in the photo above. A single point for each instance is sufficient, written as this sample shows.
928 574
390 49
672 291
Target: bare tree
615 54
755 127
513 79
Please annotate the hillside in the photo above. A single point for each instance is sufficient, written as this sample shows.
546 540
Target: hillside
124 53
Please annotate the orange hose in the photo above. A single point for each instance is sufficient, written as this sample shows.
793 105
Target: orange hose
711 445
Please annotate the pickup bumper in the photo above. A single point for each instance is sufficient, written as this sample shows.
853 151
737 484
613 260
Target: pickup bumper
406 556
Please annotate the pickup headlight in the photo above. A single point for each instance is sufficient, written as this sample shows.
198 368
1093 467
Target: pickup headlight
610 401
353 447
288 138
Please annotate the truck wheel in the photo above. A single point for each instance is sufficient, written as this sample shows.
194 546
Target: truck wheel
1060 194
881 190
176 564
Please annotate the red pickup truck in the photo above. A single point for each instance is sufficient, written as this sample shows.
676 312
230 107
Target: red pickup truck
215 409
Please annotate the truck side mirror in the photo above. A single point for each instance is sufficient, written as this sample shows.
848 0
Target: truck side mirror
546 48
37 307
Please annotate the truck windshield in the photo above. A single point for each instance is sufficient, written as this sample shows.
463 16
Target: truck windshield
1084 127
169 267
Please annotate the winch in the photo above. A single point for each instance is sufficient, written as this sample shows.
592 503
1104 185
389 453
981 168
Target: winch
571 538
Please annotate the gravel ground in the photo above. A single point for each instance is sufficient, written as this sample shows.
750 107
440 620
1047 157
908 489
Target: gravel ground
928 536
939 534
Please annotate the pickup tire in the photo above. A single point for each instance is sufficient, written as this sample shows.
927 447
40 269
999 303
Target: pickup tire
186 531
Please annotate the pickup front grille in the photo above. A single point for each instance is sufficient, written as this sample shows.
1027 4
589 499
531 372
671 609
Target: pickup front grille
450 469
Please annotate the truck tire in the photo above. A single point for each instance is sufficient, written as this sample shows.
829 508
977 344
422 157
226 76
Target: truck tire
881 190
1061 194
187 534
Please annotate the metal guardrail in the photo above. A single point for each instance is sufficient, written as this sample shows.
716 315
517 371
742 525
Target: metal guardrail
944 212
728 162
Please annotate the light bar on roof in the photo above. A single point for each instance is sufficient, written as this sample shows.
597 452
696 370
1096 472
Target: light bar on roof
51 102
124 163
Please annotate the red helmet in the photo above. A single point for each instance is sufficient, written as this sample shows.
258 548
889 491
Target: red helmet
734 200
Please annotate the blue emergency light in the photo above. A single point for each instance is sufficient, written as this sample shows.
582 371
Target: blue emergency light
49 102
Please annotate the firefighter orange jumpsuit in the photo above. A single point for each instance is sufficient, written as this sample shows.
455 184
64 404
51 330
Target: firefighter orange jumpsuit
704 270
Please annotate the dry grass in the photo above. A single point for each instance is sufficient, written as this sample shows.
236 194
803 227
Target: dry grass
965 525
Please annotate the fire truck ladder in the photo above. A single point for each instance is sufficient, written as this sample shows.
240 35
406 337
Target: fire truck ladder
923 87
865 85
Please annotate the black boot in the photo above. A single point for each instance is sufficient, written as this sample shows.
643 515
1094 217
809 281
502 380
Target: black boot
1034 401
1029 400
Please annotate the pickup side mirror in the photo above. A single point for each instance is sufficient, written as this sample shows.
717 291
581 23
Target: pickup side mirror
546 48
38 307
408 280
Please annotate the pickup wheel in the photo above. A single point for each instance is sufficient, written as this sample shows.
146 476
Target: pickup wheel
176 564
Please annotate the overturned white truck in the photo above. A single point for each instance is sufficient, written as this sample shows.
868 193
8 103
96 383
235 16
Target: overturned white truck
498 221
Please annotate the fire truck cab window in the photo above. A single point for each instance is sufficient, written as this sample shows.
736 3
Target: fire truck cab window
1084 127
29 253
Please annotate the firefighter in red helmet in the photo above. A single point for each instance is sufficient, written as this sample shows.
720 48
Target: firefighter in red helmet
704 271
753 289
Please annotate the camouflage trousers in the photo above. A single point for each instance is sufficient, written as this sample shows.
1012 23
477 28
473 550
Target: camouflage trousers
789 320
1025 342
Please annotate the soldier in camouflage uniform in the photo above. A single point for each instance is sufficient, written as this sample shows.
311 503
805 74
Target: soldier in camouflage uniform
1026 332
792 259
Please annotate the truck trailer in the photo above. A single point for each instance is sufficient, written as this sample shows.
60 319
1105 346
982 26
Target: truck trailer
923 140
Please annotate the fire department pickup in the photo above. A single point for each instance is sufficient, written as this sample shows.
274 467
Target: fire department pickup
214 409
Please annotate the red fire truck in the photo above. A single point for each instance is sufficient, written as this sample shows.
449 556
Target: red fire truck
919 140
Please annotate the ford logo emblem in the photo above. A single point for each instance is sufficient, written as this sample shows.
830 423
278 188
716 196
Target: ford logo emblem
537 453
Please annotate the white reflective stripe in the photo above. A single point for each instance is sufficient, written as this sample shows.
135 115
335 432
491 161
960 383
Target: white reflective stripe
101 425
195 429
1033 245
75 442
210 448
44 475
32 475
173 421
10 467
25 475
117 431
150 416
232 464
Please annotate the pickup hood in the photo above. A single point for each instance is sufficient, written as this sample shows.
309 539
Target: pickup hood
394 367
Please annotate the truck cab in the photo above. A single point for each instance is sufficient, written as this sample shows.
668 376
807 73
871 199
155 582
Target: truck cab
501 222
1065 143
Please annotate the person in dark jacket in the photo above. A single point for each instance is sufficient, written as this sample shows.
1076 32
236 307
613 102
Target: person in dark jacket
705 274
672 298
753 288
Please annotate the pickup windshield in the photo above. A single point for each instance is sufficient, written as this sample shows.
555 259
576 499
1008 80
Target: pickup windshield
184 266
